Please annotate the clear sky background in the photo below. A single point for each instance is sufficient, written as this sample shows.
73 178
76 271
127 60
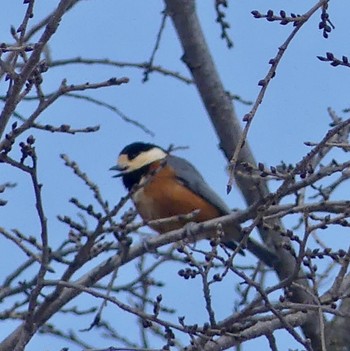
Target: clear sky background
294 109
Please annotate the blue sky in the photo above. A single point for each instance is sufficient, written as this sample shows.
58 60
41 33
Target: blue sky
294 109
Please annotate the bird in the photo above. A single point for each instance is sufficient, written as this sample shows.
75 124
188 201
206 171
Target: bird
164 185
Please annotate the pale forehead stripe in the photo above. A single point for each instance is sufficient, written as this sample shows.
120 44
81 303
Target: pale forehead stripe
123 160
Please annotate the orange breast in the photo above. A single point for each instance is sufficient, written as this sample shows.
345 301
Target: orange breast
164 196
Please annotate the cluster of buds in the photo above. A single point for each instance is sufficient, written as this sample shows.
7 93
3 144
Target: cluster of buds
27 148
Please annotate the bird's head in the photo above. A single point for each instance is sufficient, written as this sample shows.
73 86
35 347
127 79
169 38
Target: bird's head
137 155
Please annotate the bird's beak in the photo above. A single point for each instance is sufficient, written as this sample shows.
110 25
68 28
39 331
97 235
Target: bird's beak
119 169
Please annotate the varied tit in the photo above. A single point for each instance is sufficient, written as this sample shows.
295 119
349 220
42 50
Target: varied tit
171 186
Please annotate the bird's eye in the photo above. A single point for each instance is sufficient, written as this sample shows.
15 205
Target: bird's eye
133 155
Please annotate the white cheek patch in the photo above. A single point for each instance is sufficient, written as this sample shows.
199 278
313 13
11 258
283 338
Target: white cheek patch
143 159
123 161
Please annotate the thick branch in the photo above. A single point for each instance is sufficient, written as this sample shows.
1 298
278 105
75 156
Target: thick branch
219 107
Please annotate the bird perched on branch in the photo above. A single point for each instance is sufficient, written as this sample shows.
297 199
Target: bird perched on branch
169 186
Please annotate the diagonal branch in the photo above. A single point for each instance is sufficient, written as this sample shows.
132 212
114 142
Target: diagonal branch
20 79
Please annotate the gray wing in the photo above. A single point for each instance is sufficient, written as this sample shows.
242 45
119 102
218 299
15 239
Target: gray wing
189 175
